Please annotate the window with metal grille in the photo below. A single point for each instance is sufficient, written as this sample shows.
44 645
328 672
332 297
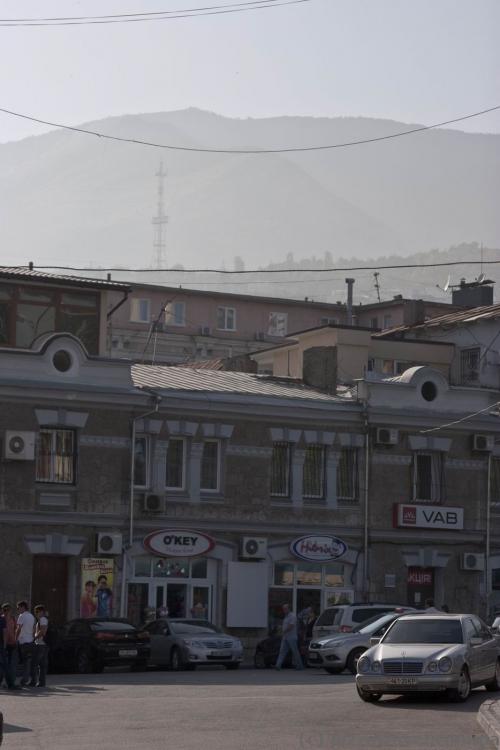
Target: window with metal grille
469 366
280 470
210 466
428 478
314 472
141 461
56 456
495 480
347 476
175 464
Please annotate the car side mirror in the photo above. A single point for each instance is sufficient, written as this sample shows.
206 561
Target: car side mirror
475 641
374 641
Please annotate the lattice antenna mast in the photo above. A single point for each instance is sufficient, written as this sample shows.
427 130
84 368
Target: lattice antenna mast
377 285
160 222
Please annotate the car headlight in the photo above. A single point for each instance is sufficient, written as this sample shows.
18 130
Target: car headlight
237 643
196 644
445 664
364 665
376 666
432 666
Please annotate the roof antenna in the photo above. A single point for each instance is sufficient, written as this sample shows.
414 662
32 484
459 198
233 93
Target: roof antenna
377 285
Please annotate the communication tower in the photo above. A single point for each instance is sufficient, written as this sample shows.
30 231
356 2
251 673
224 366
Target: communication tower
160 222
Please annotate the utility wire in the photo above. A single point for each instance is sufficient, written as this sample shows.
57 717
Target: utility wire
463 419
167 15
297 149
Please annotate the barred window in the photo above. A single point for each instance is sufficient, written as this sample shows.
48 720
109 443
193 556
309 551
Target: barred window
141 461
469 366
428 478
210 466
347 476
314 472
280 470
175 464
56 456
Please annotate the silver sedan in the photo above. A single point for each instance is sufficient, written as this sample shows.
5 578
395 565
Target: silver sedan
434 652
184 644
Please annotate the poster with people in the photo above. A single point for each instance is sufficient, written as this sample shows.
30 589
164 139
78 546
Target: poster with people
96 599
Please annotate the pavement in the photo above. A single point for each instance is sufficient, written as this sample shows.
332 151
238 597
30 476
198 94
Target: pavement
488 717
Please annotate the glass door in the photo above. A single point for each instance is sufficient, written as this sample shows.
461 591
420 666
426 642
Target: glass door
171 599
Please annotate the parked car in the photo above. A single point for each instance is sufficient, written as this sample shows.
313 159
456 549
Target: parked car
267 650
343 651
184 644
342 618
424 653
89 645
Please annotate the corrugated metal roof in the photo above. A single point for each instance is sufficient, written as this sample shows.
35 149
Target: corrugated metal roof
472 315
216 381
21 272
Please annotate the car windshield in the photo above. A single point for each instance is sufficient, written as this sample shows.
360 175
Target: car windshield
425 631
370 626
193 627
99 625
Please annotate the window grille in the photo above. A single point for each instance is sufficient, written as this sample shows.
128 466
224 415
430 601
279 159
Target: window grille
469 366
314 472
280 470
56 456
347 476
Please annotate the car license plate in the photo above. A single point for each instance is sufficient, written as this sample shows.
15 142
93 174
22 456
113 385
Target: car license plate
220 653
127 652
403 681
314 657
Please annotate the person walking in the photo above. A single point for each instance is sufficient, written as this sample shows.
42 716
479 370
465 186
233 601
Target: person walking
289 638
41 649
10 660
25 636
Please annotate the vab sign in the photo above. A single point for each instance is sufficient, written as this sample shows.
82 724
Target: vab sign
318 548
428 517
178 543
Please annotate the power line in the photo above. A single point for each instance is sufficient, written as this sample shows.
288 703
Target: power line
463 419
167 15
139 142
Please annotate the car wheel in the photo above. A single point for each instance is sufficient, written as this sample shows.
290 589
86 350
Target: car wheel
368 697
233 665
98 666
462 691
83 662
352 660
176 660
494 684
259 660
333 670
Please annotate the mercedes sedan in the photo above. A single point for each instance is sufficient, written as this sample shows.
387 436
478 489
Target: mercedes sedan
184 644
430 653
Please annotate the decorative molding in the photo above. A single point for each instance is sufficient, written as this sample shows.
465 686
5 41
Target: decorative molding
61 417
422 443
474 464
248 451
149 426
54 544
351 440
182 428
284 435
55 499
391 459
98 441
318 437
217 430
425 558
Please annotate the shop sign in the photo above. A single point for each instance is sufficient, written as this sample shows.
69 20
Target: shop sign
428 517
420 576
178 543
318 548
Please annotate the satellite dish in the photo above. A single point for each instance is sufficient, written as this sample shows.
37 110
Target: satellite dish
447 285
480 278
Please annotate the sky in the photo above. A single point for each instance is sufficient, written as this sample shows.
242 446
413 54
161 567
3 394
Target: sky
420 61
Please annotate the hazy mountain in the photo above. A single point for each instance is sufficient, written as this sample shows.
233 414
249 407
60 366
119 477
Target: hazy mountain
67 197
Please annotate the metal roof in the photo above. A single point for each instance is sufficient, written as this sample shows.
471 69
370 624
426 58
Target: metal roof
22 272
216 381
463 317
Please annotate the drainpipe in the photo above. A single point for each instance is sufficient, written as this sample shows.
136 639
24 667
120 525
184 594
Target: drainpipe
366 585
487 574
131 500
350 284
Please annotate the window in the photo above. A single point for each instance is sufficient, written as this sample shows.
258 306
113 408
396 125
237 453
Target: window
373 322
428 477
226 318
329 321
141 462
209 480
175 314
347 476
280 470
495 480
56 456
314 472
277 325
175 464
387 321
469 366
140 310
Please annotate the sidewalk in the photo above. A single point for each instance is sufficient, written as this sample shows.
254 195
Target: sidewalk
488 717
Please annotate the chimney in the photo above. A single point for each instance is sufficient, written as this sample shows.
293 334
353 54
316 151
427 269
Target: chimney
319 368
413 312
350 284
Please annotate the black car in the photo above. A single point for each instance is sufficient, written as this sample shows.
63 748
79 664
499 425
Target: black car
89 645
266 652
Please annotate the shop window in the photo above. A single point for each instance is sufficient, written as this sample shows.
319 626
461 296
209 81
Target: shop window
495 579
284 574
309 574
334 574
56 456
339 597
278 597
280 470
142 566
199 610
199 568
168 568
175 464
137 603
347 476
226 318
428 477
210 466
314 472
141 462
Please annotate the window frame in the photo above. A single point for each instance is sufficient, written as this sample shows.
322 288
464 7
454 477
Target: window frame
437 477
352 498
217 489
52 456
288 470
272 327
310 496
466 352
226 310
182 486
147 461
135 307
171 317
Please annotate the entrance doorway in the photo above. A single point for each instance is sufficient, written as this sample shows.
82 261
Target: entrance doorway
420 586
49 585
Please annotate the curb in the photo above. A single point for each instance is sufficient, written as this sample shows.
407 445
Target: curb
488 718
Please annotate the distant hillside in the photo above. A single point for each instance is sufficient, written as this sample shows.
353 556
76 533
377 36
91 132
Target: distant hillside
69 197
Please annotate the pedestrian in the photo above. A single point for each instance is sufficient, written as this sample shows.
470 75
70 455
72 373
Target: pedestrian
41 649
289 638
10 663
25 636
430 607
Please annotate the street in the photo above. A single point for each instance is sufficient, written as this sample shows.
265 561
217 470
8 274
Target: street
249 710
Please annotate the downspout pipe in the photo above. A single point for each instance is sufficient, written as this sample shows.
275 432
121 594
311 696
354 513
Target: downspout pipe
350 284
487 546
366 581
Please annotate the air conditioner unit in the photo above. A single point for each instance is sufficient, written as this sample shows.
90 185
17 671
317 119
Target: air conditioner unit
253 548
19 446
385 436
484 443
472 561
153 504
109 544
205 330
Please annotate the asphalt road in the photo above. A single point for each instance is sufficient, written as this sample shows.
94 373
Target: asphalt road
219 710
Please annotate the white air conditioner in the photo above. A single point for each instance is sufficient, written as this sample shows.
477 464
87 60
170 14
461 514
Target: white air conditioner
253 548
153 504
109 544
205 330
484 443
472 561
385 436
19 446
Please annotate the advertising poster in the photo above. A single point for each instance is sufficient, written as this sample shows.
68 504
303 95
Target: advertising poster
96 598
